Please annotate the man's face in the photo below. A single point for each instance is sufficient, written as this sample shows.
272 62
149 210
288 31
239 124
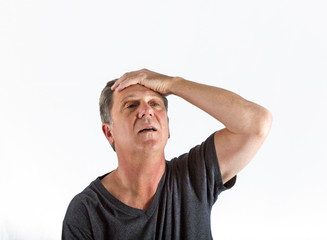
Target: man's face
139 120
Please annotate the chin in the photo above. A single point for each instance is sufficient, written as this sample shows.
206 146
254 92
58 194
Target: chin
151 146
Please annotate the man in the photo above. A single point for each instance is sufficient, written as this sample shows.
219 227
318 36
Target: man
147 197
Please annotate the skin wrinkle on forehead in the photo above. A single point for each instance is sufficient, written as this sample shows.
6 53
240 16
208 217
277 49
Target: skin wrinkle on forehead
133 96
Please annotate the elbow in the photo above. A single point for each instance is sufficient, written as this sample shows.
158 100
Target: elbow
263 123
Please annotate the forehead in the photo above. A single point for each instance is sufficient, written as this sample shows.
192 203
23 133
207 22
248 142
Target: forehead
134 92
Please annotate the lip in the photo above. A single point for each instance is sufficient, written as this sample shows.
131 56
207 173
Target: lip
147 127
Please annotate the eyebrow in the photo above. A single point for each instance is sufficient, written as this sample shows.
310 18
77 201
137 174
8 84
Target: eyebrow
128 96
134 96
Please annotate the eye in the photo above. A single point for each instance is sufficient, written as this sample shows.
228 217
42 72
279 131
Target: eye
154 104
131 105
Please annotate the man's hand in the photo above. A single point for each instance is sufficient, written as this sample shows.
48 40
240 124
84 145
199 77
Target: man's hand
152 80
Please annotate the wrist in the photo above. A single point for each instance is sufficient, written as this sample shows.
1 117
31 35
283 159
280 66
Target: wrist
174 84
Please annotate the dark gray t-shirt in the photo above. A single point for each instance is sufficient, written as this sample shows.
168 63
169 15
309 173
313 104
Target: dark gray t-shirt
180 208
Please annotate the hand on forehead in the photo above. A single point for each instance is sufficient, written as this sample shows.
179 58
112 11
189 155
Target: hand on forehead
152 80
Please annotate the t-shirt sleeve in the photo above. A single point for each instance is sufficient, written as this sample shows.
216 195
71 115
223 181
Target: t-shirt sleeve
200 171
76 222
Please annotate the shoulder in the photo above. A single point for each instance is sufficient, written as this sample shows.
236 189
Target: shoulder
201 164
77 224
202 152
76 221
198 163
77 207
81 203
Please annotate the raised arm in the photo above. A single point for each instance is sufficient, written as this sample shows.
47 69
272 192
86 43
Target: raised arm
247 124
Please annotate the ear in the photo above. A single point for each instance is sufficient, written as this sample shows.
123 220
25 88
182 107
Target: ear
107 131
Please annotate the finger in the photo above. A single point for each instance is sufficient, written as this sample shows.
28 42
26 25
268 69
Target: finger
126 76
126 83
134 76
119 80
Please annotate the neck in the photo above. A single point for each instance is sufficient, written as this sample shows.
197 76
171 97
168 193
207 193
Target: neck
136 179
140 173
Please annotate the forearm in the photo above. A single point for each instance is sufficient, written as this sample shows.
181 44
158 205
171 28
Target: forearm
236 113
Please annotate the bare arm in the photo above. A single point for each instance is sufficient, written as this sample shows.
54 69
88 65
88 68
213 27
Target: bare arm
247 124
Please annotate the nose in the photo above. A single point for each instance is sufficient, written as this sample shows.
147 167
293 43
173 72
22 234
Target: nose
145 111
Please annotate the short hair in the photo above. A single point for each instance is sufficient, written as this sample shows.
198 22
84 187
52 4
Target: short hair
106 102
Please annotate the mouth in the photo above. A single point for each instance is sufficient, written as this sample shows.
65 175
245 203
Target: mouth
148 129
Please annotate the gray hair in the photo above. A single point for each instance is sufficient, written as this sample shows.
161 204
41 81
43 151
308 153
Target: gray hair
106 102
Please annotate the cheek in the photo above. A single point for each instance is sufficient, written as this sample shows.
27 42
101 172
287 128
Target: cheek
121 128
164 122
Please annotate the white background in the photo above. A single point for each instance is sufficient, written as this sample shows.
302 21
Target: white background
56 56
